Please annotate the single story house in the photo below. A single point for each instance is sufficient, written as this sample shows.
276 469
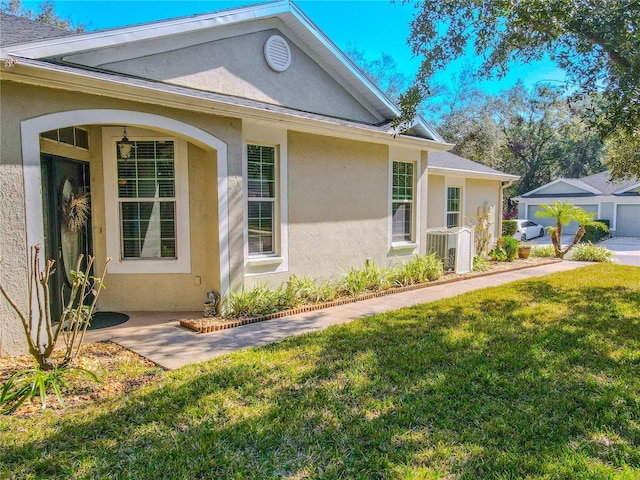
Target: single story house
616 201
217 151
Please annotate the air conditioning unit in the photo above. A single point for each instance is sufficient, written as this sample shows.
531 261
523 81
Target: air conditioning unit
454 247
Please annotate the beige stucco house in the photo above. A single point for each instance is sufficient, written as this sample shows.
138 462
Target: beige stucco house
218 151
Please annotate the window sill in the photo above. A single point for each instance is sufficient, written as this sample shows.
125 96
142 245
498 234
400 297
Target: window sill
261 261
404 246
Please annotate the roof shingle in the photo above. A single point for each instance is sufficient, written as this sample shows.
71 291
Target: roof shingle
14 30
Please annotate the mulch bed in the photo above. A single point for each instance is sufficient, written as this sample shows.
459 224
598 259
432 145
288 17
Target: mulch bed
120 370
214 324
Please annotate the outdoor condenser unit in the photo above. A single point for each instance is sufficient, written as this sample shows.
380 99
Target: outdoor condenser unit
454 247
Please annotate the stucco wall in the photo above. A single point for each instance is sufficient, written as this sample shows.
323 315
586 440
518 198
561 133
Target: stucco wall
479 192
435 202
337 207
560 187
13 248
236 66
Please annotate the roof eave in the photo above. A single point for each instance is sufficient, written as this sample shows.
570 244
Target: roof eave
472 173
45 76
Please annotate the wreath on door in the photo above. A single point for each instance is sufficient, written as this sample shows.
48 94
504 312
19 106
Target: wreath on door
75 206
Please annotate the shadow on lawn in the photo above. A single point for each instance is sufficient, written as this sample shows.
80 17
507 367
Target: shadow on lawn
476 386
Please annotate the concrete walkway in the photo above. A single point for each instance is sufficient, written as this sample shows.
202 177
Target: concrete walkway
159 337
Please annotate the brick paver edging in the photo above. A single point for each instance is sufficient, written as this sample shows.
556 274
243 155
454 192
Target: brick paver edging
201 326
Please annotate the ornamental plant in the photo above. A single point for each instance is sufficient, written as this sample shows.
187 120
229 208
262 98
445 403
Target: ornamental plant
43 333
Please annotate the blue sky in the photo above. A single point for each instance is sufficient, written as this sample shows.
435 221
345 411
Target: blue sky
372 26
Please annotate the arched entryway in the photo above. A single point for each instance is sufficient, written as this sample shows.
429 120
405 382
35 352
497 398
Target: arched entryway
32 165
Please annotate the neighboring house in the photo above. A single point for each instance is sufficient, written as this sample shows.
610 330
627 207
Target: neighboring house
616 201
218 150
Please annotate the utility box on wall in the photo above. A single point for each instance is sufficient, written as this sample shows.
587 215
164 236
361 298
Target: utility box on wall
454 247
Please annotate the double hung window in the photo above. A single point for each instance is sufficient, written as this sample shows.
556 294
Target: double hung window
261 205
402 202
147 201
453 207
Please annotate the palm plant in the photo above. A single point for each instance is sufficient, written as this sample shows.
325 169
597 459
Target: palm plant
563 213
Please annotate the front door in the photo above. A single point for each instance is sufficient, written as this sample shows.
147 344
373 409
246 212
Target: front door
67 222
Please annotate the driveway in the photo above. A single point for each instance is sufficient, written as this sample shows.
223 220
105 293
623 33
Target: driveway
626 250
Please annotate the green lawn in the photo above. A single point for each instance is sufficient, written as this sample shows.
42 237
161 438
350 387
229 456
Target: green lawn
537 379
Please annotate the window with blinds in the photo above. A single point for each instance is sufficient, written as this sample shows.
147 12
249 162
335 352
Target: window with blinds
402 202
147 200
453 207
261 191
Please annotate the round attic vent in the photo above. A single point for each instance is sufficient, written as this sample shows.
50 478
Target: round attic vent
277 53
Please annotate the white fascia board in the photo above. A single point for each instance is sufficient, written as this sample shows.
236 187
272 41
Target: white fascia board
568 181
628 189
84 82
105 38
472 174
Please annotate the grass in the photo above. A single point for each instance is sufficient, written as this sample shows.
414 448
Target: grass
538 379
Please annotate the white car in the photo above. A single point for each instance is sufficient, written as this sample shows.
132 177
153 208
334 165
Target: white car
527 230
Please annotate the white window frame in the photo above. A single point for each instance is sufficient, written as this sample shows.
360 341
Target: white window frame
411 202
278 261
460 212
182 262
405 155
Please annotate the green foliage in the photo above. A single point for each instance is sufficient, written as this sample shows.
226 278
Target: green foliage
34 382
498 253
481 224
509 228
534 379
308 291
594 234
369 279
588 252
596 43
510 248
259 300
420 269
480 264
543 251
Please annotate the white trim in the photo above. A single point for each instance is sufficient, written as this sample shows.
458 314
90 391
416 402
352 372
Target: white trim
30 131
182 264
568 181
254 133
471 173
453 182
625 190
407 155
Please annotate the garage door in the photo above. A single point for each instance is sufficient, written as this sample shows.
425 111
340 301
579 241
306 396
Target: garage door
628 221
570 229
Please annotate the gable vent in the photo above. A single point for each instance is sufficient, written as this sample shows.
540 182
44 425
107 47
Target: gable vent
277 53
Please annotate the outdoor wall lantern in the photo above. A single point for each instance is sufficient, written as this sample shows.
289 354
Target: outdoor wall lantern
125 145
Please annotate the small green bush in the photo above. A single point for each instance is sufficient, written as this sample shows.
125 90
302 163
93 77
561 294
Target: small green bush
511 248
509 228
543 251
498 253
369 279
593 234
480 264
420 269
588 252
260 300
307 291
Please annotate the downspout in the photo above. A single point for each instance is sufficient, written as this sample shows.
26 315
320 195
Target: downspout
505 184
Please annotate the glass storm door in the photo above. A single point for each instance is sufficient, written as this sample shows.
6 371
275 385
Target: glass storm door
67 222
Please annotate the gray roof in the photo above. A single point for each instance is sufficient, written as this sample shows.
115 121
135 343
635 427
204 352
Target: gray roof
602 181
454 162
384 127
14 30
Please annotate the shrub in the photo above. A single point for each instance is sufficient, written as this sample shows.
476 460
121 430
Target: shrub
420 269
509 228
545 251
260 300
511 248
307 291
480 264
369 279
594 234
588 252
